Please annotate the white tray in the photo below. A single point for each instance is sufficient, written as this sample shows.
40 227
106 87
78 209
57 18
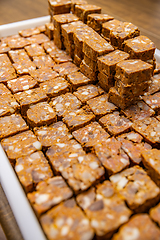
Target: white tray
25 217
13 28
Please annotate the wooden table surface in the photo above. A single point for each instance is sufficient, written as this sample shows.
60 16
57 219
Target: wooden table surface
143 13
7 220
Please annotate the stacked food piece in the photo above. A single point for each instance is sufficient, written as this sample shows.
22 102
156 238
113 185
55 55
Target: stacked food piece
142 48
85 46
107 68
83 143
58 20
58 7
92 49
132 80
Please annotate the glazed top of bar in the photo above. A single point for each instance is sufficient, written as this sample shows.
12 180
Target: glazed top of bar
124 29
78 2
59 2
113 57
4 60
140 44
99 17
130 66
70 27
64 18
111 25
98 44
86 7
29 32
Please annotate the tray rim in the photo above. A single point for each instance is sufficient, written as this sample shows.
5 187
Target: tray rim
13 28
20 206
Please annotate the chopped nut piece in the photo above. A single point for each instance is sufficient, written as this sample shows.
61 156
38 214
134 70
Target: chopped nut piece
20 145
111 155
139 227
87 92
40 114
140 47
55 87
154 213
90 135
34 50
66 220
64 103
136 188
100 105
21 84
82 11
77 79
11 125
107 63
115 124
78 118
29 97
55 133
149 128
151 161
32 169
95 20
49 193
106 211
133 145
138 111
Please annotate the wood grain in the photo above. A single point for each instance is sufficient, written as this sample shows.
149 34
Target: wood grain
2 236
18 10
7 220
145 13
